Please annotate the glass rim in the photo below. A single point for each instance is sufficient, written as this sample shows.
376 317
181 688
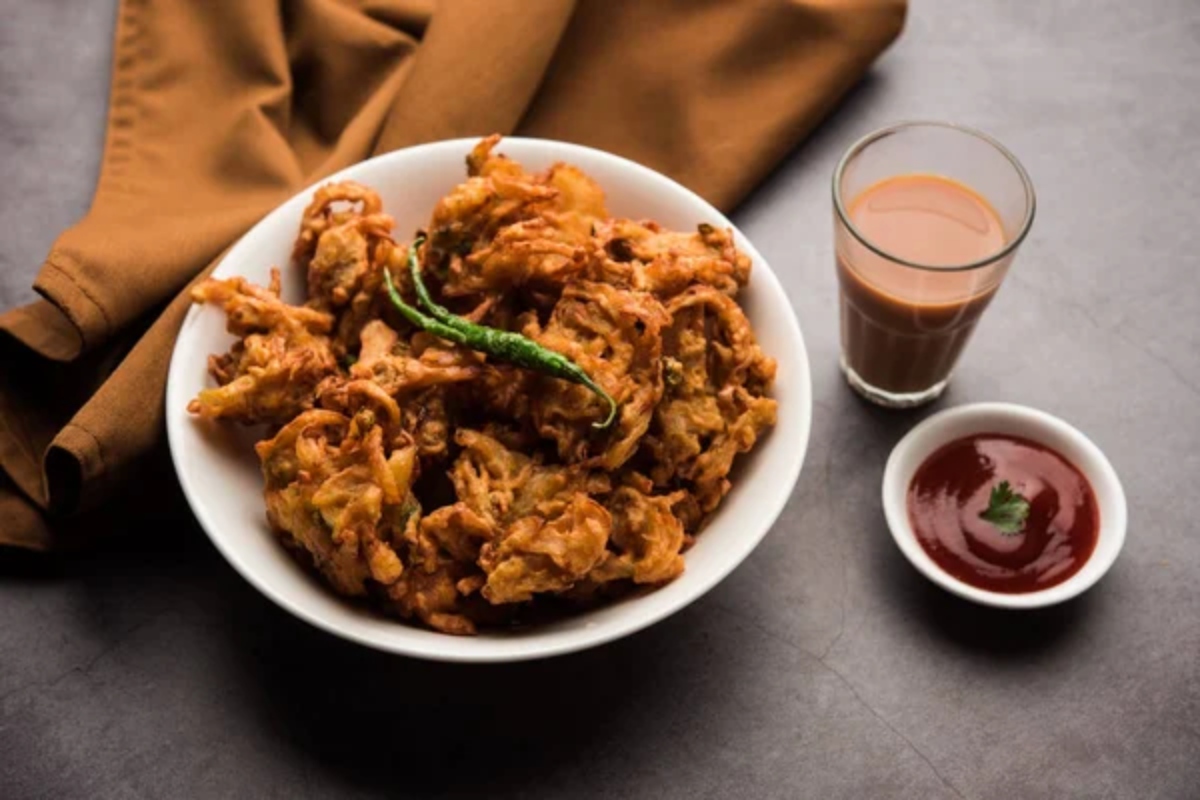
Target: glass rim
876 135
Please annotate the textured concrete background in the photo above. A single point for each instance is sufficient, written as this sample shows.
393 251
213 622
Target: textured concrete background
824 667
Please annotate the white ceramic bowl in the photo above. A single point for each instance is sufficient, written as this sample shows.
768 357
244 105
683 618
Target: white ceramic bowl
1013 420
220 474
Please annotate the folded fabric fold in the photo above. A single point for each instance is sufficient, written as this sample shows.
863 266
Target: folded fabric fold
221 110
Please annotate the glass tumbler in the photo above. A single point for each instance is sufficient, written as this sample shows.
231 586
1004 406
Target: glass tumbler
927 218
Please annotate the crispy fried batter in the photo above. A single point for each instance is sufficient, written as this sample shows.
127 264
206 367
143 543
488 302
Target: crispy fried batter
546 555
457 530
531 252
432 596
344 245
350 397
328 483
496 193
615 335
337 233
404 366
647 535
457 491
271 374
504 229
714 406
644 256
501 485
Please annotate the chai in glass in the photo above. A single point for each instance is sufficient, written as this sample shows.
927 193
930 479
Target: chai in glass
921 250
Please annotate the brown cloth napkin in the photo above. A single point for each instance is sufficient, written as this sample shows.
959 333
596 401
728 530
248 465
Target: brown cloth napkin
222 109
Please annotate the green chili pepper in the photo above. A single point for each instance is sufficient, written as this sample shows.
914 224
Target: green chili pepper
502 345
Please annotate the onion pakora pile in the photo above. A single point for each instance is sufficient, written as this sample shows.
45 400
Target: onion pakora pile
446 485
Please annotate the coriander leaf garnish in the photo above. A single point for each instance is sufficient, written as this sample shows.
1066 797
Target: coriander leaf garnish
1006 509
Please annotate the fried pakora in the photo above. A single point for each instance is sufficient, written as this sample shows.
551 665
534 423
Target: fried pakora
441 483
282 355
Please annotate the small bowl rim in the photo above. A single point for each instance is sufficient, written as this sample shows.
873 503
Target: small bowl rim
926 437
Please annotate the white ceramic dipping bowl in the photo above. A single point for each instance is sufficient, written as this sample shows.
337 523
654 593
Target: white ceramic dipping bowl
220 474
1012 420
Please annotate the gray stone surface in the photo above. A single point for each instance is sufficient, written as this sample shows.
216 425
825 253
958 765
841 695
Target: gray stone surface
824 667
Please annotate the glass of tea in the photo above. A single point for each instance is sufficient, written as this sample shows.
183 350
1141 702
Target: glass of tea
927 218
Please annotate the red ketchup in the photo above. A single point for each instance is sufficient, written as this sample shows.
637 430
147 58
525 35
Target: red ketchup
954 486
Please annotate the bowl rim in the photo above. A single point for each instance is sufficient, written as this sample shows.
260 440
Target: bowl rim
490 650
1033 424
